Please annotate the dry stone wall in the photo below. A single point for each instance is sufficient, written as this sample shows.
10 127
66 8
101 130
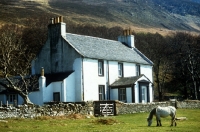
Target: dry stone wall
86 108
31 111
127 108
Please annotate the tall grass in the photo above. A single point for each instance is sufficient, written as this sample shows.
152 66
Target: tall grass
121 123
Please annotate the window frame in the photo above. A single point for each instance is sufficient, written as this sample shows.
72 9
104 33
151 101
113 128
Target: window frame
101 92
122 95
100 67
138 72
11 98
120 70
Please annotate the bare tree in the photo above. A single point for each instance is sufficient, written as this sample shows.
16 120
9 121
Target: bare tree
187 60
15 57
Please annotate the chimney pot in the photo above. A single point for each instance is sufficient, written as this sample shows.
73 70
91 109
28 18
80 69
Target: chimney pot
52 20
124 32
42 71
58 18
61 18
127 32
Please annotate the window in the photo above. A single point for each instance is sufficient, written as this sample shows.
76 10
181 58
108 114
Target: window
122 94
11 97
56 96
120 69
137 70
101 92
100 68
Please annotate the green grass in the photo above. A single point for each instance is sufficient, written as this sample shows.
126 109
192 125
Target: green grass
121 123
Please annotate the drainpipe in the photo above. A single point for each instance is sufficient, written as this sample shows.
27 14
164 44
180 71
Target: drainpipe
82 80
108 81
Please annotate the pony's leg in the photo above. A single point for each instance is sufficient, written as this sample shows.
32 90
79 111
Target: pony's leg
160 122
173 121
157 122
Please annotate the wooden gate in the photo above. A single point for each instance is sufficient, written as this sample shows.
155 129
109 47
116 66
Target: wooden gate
102 108
107 109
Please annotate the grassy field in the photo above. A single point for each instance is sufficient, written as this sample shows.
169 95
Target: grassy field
121 123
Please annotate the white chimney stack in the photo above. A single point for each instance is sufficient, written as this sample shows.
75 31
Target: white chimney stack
127 39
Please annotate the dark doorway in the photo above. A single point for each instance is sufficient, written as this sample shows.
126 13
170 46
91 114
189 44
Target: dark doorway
56 96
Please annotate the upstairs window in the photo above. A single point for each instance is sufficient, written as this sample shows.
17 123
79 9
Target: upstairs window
137 69
120 69
100 68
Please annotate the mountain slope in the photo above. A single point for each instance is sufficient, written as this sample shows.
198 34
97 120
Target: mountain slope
141 15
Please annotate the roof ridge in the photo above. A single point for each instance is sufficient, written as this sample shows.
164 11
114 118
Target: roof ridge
93 37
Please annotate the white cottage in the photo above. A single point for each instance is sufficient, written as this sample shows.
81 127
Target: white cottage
78 68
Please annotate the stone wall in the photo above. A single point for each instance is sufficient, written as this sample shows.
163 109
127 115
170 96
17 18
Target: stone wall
127 108
31 111
86 108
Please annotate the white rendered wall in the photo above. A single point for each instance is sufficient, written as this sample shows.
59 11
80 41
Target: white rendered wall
147 71
69 89
35 97
77 67
92 80
113 71
114 95
129 69
129 95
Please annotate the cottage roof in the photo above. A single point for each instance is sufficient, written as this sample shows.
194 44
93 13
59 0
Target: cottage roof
99 48
128 81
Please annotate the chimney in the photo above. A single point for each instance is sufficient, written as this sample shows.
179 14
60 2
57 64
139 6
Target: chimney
42 79
57 27
127 38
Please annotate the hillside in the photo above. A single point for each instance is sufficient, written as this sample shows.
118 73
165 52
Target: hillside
141 15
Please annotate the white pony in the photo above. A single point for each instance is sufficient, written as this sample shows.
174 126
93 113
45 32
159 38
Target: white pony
162 112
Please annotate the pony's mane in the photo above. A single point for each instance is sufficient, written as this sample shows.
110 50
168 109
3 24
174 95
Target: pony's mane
153 112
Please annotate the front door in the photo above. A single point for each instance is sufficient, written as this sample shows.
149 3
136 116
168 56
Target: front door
144 94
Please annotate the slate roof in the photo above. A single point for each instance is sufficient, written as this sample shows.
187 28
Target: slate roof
99 48
127 81
56 77
49 79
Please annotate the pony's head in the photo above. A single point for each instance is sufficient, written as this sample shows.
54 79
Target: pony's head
149 121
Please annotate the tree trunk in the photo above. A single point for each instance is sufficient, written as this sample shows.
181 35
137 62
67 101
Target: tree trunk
26 99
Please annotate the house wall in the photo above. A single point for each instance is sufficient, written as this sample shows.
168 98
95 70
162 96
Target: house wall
129 95
130 70
68 89
114 94
147 71
36 98
77 67
54 58
3 98
92 80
